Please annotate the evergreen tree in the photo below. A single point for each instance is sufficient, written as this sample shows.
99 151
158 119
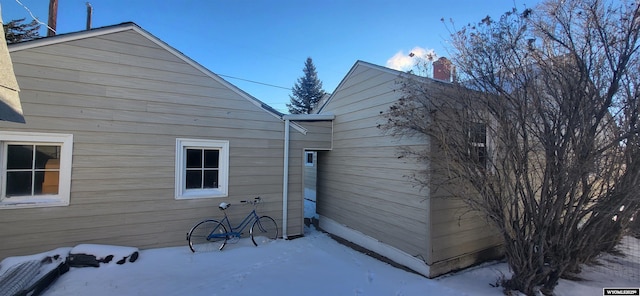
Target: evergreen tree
307 92
16 31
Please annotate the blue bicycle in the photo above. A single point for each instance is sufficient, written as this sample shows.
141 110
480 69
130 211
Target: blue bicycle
210 234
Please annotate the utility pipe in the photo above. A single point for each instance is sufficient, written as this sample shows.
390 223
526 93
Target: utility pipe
285 180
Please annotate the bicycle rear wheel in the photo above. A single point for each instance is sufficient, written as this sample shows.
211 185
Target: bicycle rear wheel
264 230
208 235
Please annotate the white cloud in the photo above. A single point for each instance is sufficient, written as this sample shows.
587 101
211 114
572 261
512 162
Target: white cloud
405 61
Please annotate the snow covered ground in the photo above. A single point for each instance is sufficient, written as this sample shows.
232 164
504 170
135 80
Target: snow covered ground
312 265
310 203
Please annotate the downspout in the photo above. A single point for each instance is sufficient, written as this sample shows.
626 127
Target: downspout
285 180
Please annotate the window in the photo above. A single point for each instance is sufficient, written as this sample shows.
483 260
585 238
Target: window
36 169
478 143
202 168
308 156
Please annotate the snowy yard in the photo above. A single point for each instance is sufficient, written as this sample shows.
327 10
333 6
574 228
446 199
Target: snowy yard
312 265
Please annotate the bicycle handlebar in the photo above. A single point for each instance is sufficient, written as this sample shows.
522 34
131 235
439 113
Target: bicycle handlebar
255 200
223 206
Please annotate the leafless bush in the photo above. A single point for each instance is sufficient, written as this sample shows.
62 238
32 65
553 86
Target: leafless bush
541 135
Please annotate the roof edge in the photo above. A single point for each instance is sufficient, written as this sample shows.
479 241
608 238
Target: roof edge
133 26
309 117
398 73
49 40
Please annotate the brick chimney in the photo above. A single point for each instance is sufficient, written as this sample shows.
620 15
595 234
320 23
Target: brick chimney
442 69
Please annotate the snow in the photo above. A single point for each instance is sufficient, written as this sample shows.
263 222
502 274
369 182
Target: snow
56 256
103 251
312 265
310 203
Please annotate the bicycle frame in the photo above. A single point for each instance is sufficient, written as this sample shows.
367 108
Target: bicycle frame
234 231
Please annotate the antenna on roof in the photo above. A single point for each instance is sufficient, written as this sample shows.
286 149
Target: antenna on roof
89 15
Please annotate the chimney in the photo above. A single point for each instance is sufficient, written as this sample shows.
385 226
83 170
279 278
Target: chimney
89 15
53 17
442 69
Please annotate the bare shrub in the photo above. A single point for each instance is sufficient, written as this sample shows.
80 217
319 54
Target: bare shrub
540 135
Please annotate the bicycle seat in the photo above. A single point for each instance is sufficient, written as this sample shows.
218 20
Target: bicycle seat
223 206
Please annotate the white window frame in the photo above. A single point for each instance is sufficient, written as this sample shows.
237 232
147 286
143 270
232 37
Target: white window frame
306 158
65 141
180 169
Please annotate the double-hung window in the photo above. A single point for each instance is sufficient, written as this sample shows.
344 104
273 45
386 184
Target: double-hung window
478 143
202 168
35 169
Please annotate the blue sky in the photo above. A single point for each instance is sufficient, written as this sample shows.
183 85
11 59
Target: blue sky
267 41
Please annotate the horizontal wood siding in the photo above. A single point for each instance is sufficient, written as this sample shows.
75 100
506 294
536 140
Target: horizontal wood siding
361 182
126 100
318 134
363 185
456 230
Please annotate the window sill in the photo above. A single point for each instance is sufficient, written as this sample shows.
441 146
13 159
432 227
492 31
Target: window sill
33 203
202 194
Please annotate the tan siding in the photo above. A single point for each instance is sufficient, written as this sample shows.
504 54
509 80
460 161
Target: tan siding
361 183
456 230
318 136
126 100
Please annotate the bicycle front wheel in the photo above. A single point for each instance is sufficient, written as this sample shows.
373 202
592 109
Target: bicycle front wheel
264 230
208 235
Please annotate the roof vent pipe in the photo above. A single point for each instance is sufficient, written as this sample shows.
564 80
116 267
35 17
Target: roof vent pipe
89 15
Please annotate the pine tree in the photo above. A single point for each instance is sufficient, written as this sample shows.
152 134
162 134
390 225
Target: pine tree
307 92
16 31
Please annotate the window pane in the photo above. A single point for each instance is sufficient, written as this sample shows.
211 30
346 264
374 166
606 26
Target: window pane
49 184
478 133
19 157
18 183
309 157
44 154
194 158
211 158
480 155
211 179
193 179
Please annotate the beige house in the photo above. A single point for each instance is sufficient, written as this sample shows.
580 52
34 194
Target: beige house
365 196
112 115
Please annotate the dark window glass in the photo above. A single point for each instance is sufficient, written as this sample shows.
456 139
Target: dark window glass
19 157
194 158
211 158
18 183
211 179
309 157
46 153
193 179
